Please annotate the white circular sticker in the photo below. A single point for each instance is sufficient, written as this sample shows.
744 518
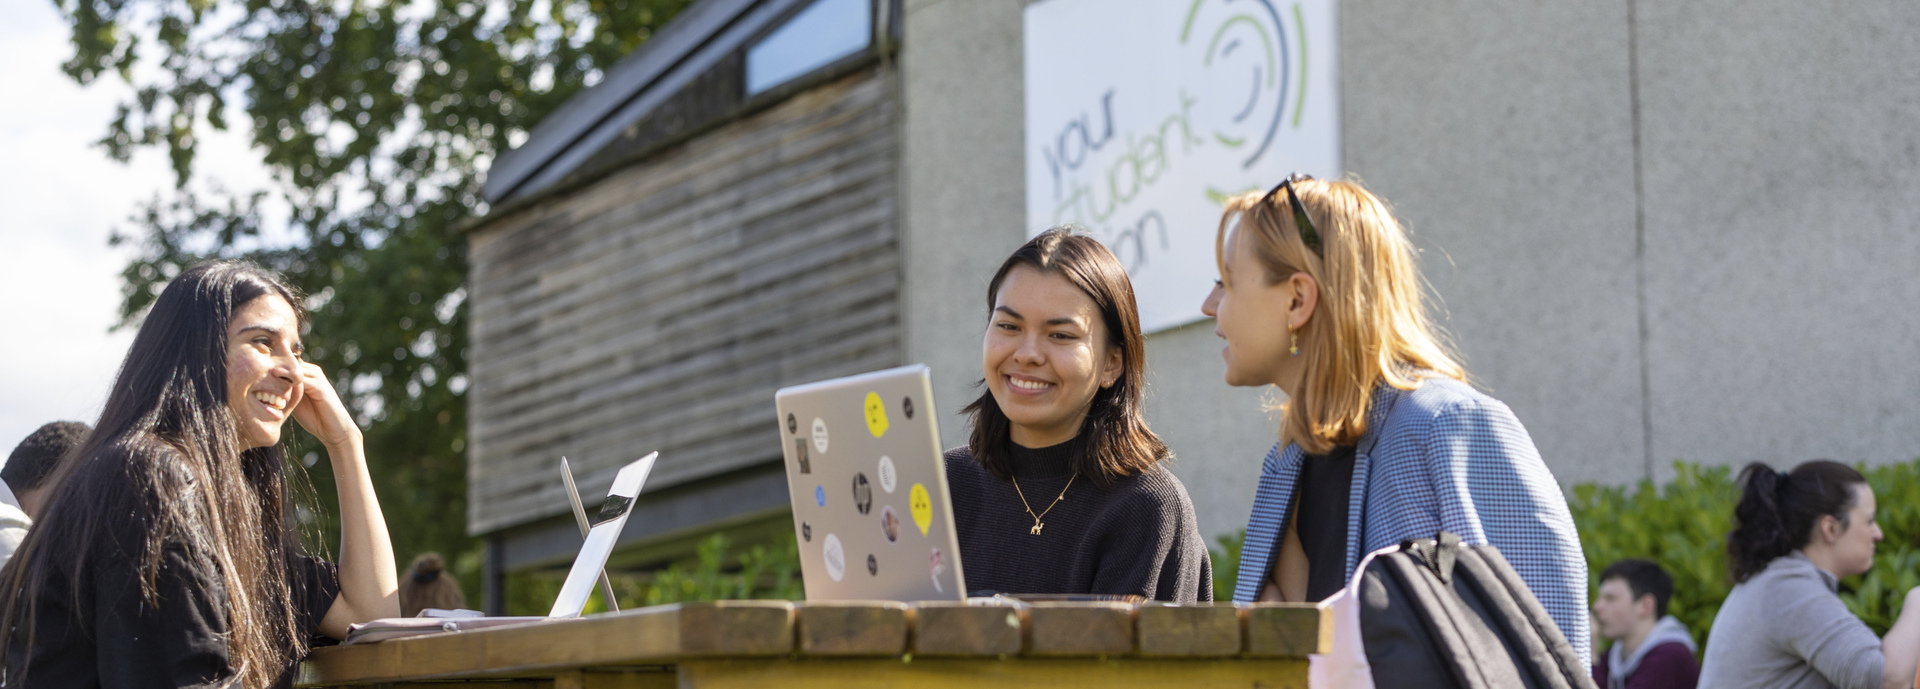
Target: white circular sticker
886 473
819 435
835 557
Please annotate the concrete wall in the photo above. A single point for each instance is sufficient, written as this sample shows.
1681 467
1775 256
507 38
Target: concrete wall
1677 230
962 182
1503 134
1782 178
1657 229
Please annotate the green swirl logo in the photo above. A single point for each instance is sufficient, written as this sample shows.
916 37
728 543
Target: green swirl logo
1248 36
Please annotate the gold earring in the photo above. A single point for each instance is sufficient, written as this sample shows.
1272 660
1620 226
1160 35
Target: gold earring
1294 347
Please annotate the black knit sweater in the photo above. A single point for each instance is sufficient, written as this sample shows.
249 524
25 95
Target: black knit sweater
1137 536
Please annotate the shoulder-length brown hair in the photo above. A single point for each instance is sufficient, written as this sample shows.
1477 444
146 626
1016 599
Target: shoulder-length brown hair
1114 441
1371 325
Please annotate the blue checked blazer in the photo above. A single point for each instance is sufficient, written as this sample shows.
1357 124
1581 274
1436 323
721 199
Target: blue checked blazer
1442 456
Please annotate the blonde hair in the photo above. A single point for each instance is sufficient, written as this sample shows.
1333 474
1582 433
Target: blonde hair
1371 324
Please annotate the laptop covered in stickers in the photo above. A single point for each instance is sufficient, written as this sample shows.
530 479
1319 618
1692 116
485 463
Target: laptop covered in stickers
871 510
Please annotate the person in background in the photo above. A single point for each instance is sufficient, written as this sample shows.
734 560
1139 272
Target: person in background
1062 488
23 483
427 586
1651 649
1381 438
1795 536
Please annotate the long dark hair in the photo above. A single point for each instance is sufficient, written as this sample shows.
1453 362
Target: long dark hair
164 468
1778 511
1114 440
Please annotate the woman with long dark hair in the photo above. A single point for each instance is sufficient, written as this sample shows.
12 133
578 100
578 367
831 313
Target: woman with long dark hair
165 556
1795 536
1061 489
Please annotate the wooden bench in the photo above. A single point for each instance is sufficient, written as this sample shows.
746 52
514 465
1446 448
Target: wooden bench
845 645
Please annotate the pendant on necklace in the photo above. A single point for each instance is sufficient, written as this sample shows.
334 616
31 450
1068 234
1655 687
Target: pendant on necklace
1036 528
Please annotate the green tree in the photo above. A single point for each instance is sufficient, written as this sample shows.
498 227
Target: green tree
377 121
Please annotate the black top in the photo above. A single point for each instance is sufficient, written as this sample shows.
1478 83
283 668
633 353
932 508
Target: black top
108 636
1321 520
1137 536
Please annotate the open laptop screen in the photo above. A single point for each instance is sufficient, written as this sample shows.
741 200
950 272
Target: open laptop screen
601 538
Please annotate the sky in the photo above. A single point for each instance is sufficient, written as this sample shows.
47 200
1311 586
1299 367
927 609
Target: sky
61 198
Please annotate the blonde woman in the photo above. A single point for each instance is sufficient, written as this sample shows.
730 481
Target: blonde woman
1382 439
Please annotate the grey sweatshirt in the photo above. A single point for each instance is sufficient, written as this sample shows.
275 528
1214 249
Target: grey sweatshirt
1786 628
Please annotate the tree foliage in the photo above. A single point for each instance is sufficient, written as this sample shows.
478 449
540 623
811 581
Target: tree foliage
376 121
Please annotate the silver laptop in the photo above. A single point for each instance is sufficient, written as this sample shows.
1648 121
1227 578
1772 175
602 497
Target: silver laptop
870 503
588 568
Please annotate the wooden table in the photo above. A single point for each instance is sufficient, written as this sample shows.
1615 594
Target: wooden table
849 645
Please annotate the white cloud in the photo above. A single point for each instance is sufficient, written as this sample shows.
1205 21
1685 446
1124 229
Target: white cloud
62 197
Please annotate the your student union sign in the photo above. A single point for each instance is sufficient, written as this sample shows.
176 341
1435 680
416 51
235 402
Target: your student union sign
1142 116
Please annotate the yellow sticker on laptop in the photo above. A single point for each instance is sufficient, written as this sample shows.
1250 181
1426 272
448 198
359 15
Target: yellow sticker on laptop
876 415
921 506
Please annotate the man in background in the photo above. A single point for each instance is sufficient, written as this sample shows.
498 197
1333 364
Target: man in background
1651 649
23 482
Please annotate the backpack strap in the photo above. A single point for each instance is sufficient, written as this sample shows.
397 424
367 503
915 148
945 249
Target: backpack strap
1513 611
1437 553
1414 626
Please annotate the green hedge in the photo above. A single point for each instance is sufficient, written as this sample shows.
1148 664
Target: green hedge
1683 525
717 572
1226 563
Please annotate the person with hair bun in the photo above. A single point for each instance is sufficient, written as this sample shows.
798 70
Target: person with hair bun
1795 536
1382 439
427 586
1061 489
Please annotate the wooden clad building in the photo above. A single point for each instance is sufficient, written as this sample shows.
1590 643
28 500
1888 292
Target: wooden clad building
714 220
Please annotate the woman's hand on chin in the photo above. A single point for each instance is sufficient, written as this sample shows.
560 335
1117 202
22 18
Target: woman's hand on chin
321 412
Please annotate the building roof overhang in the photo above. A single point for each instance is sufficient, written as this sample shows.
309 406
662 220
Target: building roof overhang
689 45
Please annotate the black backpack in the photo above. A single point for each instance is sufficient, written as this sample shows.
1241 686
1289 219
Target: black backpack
1437 613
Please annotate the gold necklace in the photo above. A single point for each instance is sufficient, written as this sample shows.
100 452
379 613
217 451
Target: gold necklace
1037 524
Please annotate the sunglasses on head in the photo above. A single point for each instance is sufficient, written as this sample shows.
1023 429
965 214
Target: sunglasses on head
1300 220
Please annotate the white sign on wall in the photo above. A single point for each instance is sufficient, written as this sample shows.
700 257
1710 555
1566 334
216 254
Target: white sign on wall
1144 115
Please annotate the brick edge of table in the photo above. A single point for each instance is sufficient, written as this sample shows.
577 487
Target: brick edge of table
642 647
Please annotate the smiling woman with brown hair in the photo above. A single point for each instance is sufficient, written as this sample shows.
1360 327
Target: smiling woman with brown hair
164 557
1061 488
